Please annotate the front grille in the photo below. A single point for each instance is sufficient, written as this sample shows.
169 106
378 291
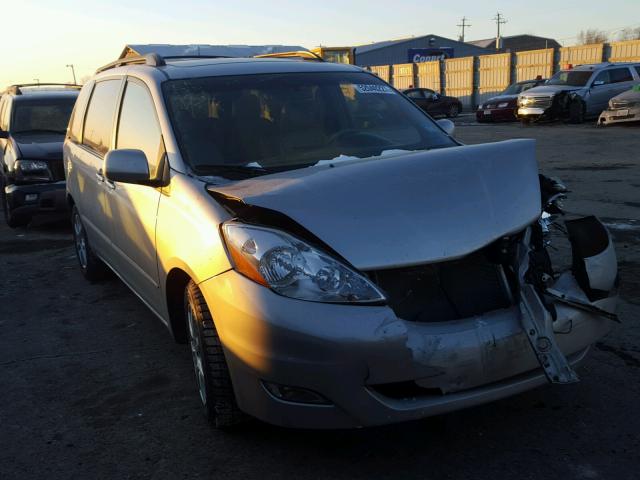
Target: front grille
538 102
57 170
445 291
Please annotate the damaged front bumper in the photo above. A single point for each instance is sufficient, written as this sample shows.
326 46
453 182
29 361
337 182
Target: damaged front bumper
619 115
373 368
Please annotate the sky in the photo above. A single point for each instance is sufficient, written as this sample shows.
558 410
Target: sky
42 37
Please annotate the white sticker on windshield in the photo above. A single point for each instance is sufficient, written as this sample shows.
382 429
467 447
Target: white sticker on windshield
365 88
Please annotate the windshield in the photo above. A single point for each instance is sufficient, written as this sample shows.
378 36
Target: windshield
285 121
49 115
570 77
517 88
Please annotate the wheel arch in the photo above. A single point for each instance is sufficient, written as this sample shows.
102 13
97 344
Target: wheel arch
177 280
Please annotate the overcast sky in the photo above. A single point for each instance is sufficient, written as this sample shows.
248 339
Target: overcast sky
41 37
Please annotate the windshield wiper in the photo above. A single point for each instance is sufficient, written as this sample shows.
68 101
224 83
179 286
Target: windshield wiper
38 130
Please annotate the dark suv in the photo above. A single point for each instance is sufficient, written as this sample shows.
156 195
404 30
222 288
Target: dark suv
33 123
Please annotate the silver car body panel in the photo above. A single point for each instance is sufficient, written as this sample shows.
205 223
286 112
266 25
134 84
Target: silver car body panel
622 108
376 213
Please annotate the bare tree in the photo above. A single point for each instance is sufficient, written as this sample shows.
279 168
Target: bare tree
591 35
630 34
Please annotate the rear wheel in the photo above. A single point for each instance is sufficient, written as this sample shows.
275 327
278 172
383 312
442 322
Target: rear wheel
212 374
92 268
453 111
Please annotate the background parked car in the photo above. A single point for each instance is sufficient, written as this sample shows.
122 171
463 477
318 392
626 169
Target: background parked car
33 122
578 93
622 108
433 103
504 107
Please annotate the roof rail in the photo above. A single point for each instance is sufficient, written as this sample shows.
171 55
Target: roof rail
16 89
150 59
300 55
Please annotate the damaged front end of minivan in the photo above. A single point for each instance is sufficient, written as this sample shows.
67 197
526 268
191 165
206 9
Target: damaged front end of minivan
457 240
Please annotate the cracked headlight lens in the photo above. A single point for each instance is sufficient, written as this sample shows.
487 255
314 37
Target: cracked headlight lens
293 268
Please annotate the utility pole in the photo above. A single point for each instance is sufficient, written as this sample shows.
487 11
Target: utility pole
37 80
463 25
499 19
70 65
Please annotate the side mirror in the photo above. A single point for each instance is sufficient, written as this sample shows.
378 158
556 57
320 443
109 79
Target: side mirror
4 134
127 166
435 96
447 125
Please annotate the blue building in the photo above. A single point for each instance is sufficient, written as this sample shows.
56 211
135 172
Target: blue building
414 49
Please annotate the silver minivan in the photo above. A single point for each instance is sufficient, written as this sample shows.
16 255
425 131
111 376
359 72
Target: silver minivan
332 255
578 93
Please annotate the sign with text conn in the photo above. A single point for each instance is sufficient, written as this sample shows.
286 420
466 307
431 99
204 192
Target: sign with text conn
420 55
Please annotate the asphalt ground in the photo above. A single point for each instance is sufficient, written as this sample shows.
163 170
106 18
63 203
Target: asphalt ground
92 385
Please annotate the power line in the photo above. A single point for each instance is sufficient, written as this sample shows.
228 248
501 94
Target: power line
464 24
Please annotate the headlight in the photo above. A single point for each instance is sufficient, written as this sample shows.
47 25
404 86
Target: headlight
31 166
293 268
480 107
503 105
524 101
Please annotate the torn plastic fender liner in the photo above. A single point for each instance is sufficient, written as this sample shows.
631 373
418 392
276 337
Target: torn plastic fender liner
594 264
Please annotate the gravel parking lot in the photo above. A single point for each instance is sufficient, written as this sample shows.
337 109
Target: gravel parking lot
92 385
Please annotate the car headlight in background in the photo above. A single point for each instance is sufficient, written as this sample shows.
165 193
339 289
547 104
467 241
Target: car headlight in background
503 105
293 268
480 107
31 166
524 101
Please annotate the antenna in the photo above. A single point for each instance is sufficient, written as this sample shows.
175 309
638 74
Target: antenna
463 25
500 20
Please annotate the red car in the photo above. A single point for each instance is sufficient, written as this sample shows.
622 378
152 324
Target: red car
504 107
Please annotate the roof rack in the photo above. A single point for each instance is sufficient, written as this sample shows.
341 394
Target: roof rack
17 88
151 59
300 55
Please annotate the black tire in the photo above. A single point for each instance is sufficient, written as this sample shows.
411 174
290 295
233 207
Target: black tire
525 122
453 111
14 221
92 268
576 112
212 374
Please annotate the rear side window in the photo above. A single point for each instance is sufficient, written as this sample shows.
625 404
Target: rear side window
621 75
77 117
138 126
98 124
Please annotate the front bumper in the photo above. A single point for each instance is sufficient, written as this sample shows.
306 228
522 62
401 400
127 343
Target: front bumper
36 198
352 355
497 114
609 117
530 112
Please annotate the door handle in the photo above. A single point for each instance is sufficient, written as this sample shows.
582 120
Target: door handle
100 176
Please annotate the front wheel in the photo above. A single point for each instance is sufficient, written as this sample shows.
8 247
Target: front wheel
453 111
10 217
576 112
212 374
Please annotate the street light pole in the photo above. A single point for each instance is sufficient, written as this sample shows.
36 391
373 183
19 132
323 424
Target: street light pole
37 80
70 65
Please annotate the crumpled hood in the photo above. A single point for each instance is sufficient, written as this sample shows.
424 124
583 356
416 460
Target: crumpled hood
405 210
628 96
548 90
40 146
